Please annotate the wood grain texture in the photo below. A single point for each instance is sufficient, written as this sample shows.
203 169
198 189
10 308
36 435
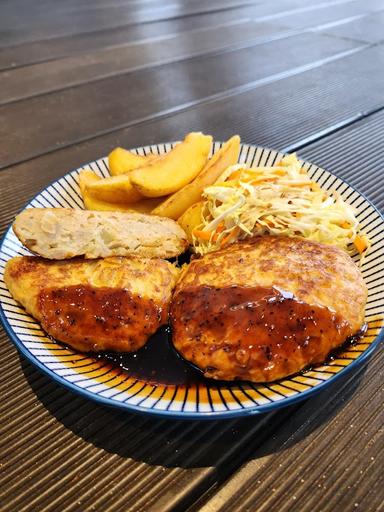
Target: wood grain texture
106 459
78 44
38 49
365 28
320 91
326 457
332 15
21 21
63 73
45 23
61 118
315 106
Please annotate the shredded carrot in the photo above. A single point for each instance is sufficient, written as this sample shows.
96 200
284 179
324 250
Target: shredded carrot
246 210
206 235
218 230
264 170
235 175
230 183
227 238
279 172
295 184
203 235
249 175
269 222
360 243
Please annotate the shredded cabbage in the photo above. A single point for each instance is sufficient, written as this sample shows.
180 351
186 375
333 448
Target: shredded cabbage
278 200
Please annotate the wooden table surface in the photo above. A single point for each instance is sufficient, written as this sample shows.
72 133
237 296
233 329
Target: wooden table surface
79 77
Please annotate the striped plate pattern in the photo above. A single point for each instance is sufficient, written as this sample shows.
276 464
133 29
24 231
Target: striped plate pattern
105 382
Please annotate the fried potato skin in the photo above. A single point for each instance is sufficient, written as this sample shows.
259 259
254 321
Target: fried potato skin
90 181
144 206
175 169
181 200
122 161
91 203
191 218
116 189
85 178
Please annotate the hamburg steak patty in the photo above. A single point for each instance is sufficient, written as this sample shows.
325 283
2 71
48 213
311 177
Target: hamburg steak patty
114 303
266 308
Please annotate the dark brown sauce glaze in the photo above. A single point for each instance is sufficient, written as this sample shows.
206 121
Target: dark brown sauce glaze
349 342
157 362
90 318
252 333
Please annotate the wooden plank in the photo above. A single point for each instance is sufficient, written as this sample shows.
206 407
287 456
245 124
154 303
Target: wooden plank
326 458
38 79
38 51
356 154
264 116
16 29
328 455
120 460
45 123
41 21
367 28
63 73
327 15
25 8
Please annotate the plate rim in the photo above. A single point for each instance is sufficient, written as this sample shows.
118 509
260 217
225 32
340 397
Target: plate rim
188 415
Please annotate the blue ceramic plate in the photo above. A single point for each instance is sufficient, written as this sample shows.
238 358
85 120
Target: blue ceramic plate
155 381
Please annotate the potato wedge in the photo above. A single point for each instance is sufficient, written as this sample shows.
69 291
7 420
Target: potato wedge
91 203
175 169
116 189
181 200
121 161
191 218
144 206
86 177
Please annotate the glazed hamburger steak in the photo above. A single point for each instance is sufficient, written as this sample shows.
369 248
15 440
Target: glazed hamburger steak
114 303
265 308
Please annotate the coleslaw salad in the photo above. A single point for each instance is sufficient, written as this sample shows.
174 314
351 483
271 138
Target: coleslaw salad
277 200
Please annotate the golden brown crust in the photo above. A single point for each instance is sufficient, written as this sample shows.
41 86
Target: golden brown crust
138 288
266 308
315 273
